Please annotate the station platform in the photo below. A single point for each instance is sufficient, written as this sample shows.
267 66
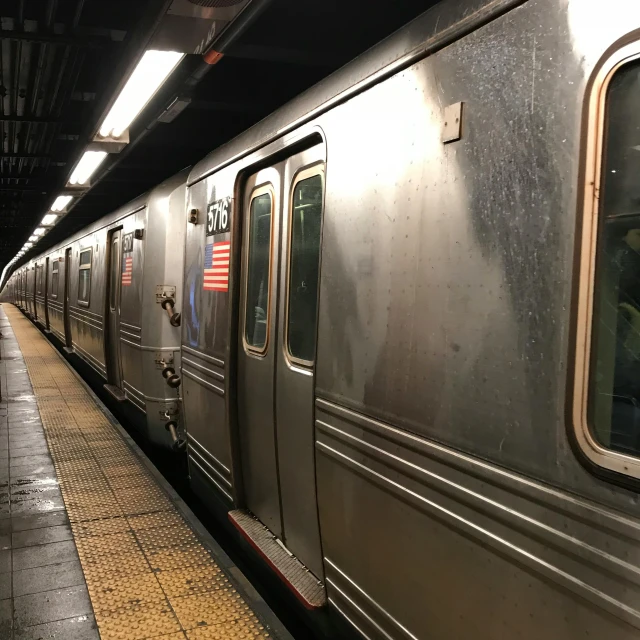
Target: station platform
93 542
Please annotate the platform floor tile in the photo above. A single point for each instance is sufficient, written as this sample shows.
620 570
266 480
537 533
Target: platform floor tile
147 573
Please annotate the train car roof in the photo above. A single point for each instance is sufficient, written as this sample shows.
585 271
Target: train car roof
164 188
434 29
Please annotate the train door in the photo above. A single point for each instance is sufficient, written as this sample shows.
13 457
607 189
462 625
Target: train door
34 290
67 286
282 224
47 293
112 338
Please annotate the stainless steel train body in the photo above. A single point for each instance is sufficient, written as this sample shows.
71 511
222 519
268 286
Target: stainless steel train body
99 294
424 462
399 341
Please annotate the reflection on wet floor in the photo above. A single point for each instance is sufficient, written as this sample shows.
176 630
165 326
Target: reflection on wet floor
42 588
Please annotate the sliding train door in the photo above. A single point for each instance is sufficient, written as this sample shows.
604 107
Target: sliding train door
67 285
112 337
282 222
47 293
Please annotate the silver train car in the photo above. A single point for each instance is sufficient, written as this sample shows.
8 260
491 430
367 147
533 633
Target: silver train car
101 293
410 343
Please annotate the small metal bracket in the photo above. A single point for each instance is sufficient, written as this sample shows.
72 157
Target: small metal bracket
452 128
165 291
163 359
170 412
193 216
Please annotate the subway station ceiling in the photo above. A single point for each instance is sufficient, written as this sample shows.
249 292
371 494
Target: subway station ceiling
62 62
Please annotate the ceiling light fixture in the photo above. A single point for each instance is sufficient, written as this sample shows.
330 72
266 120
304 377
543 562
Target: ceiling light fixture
33 238
40 231
61 202
49 220
152 70
87 166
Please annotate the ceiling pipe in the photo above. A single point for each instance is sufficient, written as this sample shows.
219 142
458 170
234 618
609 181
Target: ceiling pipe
219 46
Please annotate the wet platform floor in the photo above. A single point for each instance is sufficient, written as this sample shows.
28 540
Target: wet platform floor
93 543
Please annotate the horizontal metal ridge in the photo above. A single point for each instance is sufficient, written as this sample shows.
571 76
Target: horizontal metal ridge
540 493
132 336
90 323
203 356
362 604
205 469
462 522
87 357
131 327
133 391
83 311
507 514
204 383
220 469
201 367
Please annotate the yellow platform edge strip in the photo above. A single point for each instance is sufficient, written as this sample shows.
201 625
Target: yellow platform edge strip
147 574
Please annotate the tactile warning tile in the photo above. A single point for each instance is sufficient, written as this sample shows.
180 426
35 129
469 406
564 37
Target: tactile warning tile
147 574
237 630
126 591
192 580
99 527
162 537
215 607
137 622
176 557
153 520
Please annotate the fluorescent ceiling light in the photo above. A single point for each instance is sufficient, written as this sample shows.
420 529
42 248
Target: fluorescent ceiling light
39 231
33 238
61 202
152 70
49 219
28 245
89 162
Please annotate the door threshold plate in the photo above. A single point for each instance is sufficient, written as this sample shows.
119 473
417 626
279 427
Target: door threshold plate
115 392
307 588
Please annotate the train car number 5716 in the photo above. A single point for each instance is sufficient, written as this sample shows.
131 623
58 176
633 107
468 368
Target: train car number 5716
219 216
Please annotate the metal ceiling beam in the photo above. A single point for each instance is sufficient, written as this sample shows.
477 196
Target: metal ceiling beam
23 188
23 156
29 119
53 38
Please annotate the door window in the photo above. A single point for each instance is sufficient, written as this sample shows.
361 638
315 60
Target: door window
304 266
259 271
54 278
113 282
84 277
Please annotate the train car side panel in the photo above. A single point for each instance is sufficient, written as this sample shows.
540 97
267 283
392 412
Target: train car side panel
205 346
443 340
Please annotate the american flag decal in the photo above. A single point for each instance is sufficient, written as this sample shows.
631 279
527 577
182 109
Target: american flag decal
216 266
127 271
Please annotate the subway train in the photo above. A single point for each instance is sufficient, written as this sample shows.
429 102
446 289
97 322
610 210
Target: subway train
396 326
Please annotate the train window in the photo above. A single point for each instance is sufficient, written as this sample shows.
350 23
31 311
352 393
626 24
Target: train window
304 265
258 272
39 278
54 278
613 409
84 277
